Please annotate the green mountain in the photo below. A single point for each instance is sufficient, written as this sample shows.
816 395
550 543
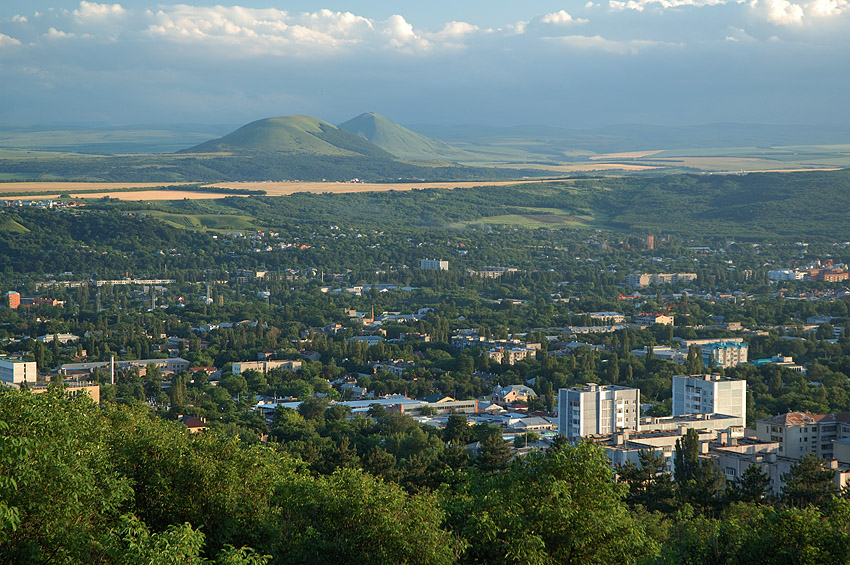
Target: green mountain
400 141
292 135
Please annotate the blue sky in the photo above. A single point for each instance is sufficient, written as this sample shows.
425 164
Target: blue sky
571 64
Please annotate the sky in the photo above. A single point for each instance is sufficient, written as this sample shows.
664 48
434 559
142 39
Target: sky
575 64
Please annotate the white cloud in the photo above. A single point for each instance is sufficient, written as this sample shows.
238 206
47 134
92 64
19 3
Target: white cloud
92 10
780 12
517 28
560 17
640 5
827 8
599 43
7 41
54 33
19 19
457 29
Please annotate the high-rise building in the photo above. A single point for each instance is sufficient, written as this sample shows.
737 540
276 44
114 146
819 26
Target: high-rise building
709 394
597 409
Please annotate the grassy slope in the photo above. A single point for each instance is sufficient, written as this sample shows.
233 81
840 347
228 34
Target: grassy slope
401 141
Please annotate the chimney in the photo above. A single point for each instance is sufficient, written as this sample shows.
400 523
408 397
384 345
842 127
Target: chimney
703 447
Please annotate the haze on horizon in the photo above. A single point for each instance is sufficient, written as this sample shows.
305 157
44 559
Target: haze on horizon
569 64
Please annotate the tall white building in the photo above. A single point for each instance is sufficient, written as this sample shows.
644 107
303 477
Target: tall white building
433 265
17 371
597 409
709 394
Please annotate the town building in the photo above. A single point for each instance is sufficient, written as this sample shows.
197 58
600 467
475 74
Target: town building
71 388
265 366
511 355
672 354
433 265
780 361
512 393
800 433
725 354
640 280
168 366
709 394
597 409
733 456
16 372
13 299
607 317
652 319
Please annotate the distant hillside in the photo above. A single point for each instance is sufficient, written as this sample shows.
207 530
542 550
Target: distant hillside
292 135
103 140
400 141
9 225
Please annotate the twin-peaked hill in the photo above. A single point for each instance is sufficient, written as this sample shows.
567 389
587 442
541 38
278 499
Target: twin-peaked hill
292 134
307 148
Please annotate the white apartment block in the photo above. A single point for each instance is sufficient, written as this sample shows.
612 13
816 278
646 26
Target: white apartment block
800 433
433 265
786 275
596 409
709 394
17 371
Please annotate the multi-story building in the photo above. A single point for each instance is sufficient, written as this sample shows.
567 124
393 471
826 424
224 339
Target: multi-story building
724 353
13 299
607 317
511 355
597 409
786 275
799 433
674 355
640 280
433 265
652 319
733 456
709 394
16 372
168 366
265 366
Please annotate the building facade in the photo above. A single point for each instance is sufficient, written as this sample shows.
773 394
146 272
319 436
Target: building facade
800 433
16 372
724 353
433 265
709 394
652 319
597 409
